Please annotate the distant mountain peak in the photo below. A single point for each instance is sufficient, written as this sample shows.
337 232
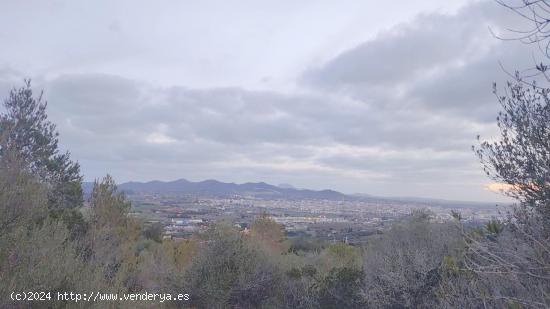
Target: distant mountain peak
212 187
215 188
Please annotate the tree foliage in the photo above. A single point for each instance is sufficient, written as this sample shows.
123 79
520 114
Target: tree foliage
29 138
521 157
516 253
267 231
231 272
402 266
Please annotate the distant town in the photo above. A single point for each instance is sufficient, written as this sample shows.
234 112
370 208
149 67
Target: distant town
183 208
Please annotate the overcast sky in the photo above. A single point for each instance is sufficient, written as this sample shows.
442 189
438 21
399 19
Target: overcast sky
377 97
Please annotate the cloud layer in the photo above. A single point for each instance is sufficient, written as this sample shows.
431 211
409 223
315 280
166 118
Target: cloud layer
394 115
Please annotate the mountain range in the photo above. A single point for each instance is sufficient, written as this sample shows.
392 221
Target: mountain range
223 189
214 188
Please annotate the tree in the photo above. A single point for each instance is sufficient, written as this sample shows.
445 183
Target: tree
37 252
515 254
23 198
537 15
402 266
27 136
154 231
507 263
340 255
301 288
267 231
108 206
230 272
113 236
510 259
521 157
342 288
180 252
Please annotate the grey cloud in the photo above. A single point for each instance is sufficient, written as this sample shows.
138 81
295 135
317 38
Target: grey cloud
107 104
394 114
437 63
410 49
109 122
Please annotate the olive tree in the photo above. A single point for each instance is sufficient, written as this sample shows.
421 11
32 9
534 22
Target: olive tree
520 158
512 258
